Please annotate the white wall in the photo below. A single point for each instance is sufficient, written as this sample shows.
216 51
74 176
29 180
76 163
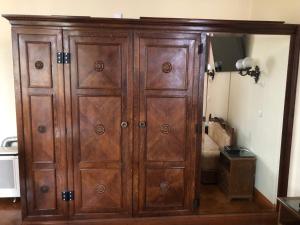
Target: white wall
216 92
218 95
7 100
278 10
285 11
256 110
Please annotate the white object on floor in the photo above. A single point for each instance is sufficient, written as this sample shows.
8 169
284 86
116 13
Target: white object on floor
9 173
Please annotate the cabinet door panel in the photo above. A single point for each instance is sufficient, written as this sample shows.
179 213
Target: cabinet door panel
42 129
101 99
45 190
165 131
99 65
100 130
39 63
164 188
43 122
167 66
167 72
101 189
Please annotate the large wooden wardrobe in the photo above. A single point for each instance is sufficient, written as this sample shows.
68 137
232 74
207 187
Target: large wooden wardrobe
109 114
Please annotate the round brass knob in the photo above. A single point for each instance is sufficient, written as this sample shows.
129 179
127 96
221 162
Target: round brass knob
42 129
124 124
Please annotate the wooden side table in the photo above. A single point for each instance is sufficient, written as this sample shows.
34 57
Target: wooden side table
237 173
289 211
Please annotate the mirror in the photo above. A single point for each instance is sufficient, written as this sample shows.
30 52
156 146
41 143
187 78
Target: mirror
240 112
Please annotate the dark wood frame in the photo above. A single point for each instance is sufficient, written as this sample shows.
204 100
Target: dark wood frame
192 25
288 215
289 111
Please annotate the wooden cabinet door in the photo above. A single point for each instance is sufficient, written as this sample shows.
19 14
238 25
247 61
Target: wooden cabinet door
167 72
101 120
41 117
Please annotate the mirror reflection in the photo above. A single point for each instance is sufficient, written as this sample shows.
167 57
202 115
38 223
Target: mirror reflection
244 95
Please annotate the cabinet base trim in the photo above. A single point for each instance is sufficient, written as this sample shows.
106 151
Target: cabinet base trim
233 219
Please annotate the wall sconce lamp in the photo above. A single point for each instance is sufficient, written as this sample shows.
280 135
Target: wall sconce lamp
210 71
244 66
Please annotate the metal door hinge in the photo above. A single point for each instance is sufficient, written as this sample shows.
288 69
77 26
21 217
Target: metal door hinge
63 57
197 128
200 49
67 195
196 203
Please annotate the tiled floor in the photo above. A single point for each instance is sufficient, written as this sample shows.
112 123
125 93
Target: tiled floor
10 213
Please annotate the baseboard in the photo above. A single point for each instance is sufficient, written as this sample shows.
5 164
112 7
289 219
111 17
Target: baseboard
260 198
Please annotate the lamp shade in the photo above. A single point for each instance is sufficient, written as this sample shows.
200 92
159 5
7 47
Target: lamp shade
239 64
209 67
247 62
